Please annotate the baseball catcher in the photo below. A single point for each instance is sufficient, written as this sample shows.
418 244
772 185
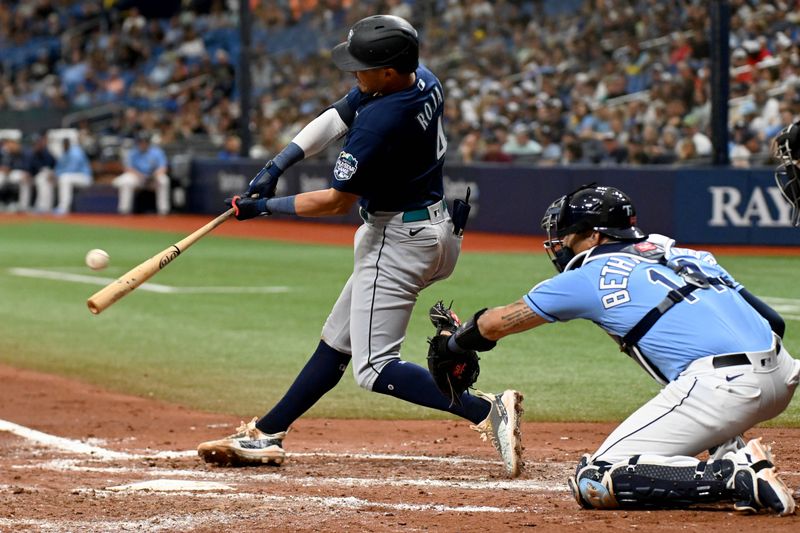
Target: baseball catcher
715 347
787 151
453 372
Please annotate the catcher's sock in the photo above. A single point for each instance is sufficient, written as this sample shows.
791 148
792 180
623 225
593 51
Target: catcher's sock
414 384
322 372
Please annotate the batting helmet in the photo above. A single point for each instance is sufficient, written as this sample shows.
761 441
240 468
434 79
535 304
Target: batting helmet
379 41
604 209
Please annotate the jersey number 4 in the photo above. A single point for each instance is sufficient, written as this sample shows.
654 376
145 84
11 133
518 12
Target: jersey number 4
441 140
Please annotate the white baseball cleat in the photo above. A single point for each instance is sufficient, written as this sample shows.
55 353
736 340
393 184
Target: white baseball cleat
248 446
502 427
758 485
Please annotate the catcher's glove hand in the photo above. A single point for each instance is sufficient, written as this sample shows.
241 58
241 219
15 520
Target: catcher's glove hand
453 372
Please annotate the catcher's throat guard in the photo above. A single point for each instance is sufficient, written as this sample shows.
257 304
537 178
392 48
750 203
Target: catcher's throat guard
787 175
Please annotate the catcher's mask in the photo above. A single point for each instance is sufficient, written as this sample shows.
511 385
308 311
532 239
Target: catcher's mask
787 176
590 207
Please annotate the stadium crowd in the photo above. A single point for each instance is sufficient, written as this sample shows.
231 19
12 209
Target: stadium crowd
528 82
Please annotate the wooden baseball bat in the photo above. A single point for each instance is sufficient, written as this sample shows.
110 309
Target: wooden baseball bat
115 290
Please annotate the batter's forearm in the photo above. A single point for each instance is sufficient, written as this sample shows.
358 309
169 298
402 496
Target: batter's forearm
325 202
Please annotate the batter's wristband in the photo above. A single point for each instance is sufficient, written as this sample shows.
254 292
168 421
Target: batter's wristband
283 205
286 158
235 207
468 336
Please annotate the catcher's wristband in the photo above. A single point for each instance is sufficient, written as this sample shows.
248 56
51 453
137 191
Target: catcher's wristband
468 337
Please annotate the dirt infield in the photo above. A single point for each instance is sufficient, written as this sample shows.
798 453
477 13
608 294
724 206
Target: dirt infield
74 457
67 450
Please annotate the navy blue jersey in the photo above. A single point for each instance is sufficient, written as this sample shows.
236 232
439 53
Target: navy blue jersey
394 150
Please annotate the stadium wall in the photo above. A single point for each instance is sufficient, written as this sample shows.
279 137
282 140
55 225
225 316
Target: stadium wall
693 205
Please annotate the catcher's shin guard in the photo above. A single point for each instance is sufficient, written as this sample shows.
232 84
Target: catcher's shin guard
590 487
651 481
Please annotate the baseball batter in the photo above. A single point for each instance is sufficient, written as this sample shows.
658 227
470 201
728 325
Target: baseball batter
391 165
715 347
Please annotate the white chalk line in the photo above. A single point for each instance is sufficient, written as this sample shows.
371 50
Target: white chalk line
348 502
237 476
74 446
787 307
186 522
349 455
61 443
151 287
170 485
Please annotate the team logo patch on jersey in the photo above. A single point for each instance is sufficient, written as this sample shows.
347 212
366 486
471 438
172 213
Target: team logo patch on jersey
346 166
644 246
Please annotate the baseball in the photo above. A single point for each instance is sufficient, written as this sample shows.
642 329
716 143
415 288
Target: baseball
97 259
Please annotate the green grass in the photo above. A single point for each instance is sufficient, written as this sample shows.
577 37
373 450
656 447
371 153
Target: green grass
237 353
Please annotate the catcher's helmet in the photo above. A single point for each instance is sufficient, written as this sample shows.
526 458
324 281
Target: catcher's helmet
786 148
379 41
604 209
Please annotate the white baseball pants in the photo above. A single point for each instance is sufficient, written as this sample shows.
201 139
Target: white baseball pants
128 182
706 406
393 262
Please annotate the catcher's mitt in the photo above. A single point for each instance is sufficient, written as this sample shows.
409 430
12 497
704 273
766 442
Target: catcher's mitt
453 372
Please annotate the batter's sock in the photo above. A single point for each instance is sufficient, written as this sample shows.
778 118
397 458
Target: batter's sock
321 373
415 384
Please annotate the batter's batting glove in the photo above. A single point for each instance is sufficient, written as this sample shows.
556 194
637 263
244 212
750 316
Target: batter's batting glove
245 208
263 185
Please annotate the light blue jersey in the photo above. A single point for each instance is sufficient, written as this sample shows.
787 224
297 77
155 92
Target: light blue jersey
147 161
615 289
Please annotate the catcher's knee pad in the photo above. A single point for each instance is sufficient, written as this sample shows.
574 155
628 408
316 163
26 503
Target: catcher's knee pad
652 481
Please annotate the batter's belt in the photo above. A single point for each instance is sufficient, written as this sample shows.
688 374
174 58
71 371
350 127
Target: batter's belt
435 212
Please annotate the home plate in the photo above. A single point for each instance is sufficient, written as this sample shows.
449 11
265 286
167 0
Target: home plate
166 485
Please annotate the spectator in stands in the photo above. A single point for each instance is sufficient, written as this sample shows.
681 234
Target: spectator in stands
231 148
469 148
740 156
663 152
72 170
145 165
41 165
529 65
613 151
551 150
14 172
520 146
691 130
754 144
687 152
493 152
